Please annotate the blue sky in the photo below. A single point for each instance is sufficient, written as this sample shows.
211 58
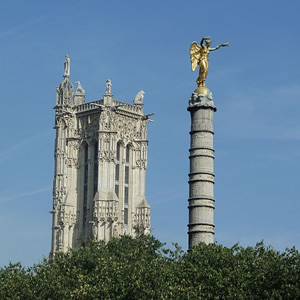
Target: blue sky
145 45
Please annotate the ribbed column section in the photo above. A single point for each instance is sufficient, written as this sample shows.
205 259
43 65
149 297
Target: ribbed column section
201 176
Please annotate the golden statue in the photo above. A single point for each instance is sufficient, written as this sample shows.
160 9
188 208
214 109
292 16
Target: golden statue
199 56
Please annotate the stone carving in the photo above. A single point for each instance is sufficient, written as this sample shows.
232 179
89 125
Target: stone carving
141 155
95 211
107 120
126 128
88 126
72 162
107 155
59 193
74 144
115 231
59 153
94 229
204 98
139 98
65 223
106 210
64 119
60 236
141 164
106 152
108 87
144 131
79 89
67 66
64 92
142 219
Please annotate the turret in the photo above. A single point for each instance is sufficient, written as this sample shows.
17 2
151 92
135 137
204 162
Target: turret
65 91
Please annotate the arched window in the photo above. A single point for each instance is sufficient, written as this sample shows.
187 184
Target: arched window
85 184
126 185
117 171
95 168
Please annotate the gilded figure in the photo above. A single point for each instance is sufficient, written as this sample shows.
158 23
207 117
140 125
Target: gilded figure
199 56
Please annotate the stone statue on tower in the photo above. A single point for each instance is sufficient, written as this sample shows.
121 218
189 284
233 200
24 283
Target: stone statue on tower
67 66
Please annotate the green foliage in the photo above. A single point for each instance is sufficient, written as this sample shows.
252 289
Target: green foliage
216 272
141 268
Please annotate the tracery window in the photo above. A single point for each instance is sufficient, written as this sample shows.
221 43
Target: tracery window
126 185
95 168
117 171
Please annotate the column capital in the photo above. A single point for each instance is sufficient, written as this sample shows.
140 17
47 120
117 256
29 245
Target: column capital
203 100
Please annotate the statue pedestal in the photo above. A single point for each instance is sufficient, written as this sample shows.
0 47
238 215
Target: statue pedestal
202 97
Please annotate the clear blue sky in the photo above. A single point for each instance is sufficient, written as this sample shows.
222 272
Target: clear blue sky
145 45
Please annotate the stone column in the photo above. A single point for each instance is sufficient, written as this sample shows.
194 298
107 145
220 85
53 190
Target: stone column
201 176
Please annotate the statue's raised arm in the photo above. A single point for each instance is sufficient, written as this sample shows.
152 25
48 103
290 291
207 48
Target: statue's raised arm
199 56
219 46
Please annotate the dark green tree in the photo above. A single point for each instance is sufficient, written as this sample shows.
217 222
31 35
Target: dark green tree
141 268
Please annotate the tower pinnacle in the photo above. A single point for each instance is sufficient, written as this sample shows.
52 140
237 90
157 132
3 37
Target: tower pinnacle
65 91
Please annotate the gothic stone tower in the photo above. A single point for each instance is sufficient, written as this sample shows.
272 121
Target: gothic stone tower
100 167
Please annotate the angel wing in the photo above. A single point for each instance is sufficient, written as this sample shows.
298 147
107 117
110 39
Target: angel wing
195 55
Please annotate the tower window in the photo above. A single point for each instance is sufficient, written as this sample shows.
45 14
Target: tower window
117 171
126 216
126 195
85 185
95 168
126 185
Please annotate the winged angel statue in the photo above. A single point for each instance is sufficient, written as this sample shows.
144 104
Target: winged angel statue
199 56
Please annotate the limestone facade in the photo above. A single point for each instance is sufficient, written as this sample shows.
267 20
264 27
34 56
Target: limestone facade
100 167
